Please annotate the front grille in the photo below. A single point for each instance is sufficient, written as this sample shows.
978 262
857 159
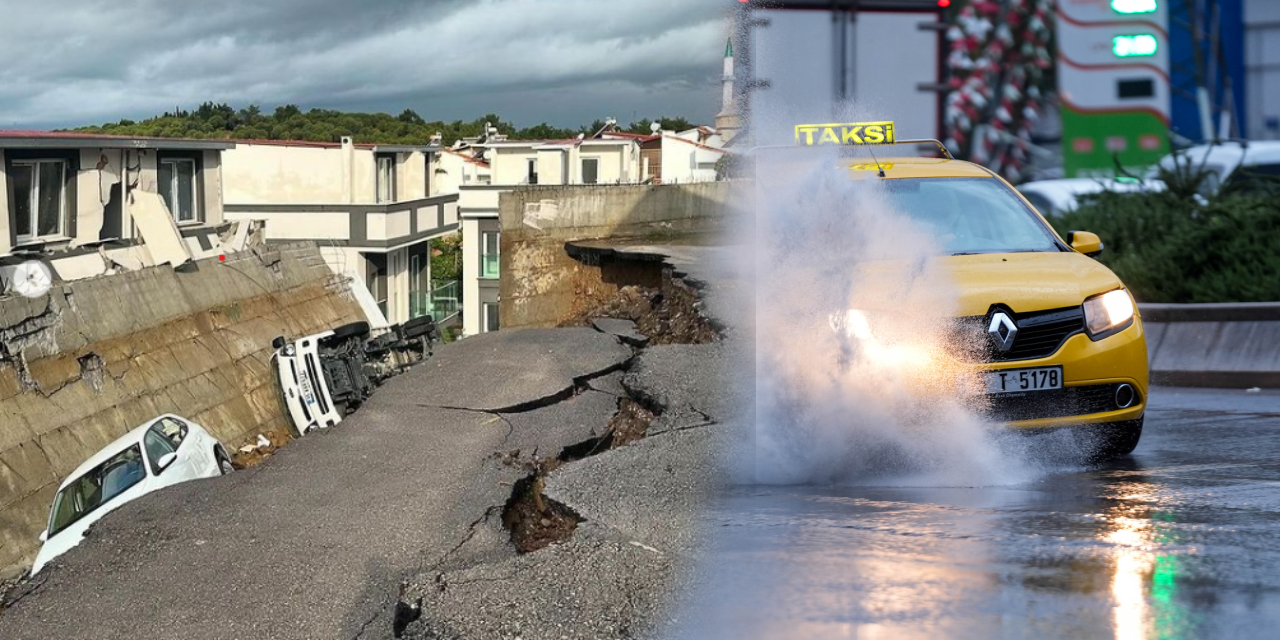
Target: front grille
1056 403
1040 334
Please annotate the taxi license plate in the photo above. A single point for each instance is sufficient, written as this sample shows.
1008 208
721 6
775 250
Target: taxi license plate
1020 380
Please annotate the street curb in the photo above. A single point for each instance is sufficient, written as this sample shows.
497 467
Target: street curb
1224 345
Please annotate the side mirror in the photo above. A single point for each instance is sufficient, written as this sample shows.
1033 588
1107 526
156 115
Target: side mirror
166 460
277 343
44 536
1084 242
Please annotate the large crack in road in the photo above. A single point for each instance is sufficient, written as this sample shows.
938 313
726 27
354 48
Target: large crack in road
392 524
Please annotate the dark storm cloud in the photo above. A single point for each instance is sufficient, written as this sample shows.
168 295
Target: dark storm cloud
565 61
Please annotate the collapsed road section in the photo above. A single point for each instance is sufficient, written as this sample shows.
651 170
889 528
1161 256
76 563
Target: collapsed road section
540 483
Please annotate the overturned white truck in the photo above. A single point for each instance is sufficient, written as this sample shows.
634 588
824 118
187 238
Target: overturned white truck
325 376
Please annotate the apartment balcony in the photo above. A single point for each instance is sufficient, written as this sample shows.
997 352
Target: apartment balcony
441 303
371 227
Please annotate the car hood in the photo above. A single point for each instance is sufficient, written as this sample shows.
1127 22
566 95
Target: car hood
1021 281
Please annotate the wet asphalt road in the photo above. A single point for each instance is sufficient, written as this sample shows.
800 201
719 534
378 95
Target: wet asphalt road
1179 540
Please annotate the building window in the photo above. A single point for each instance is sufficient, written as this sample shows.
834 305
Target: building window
178 188
489 254
386 179
376 278
533 171
419 280
39 198
490 316
590 171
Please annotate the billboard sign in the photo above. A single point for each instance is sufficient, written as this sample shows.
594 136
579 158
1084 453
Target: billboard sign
1113 84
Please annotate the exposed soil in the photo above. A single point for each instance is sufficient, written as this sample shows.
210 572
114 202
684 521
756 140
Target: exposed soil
534 520
630 423
669 314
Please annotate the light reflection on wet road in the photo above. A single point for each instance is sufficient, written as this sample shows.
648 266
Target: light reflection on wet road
1180 540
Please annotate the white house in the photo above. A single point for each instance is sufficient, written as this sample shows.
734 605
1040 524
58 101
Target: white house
372 209
90 205
514 163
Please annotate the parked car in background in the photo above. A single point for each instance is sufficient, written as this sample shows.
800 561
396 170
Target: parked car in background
1244 165
1056 197
163 452
325 376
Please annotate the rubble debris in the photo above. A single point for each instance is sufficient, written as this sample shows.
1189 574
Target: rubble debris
263 447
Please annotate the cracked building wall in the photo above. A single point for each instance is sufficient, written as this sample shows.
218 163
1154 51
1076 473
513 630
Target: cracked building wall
542 286
93 359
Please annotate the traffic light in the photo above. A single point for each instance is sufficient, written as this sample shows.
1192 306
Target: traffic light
1133 6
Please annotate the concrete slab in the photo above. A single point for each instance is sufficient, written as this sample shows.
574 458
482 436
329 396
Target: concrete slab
506 369
549 429
625 330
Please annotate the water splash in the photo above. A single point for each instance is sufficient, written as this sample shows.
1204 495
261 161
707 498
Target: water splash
858 365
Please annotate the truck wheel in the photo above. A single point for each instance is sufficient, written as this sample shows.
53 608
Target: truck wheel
353 330
417 327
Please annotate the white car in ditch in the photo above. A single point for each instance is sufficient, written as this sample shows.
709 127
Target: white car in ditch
163 452
325 376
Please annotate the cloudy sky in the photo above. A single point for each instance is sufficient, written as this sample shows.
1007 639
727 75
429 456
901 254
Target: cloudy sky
71 62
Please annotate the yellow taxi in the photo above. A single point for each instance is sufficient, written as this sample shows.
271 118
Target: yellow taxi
1060 338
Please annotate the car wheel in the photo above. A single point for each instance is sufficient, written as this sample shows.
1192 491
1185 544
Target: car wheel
224 464
353 330
1117 439
1125 439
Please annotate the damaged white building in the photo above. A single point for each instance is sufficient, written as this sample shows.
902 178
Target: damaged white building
90 205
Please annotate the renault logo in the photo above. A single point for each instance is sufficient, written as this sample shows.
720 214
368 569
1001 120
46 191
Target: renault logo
1002 331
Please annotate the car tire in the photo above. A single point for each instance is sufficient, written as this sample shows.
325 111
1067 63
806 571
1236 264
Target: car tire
353 330
1118 439
225 466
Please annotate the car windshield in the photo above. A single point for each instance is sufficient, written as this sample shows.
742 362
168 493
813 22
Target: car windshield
97 487
970 215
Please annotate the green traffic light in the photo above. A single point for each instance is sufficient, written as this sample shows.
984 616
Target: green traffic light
1133 6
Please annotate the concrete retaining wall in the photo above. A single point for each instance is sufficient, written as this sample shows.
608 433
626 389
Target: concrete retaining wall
95 358
1214 345
542 286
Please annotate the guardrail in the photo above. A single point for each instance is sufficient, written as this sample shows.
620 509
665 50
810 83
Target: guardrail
1214 345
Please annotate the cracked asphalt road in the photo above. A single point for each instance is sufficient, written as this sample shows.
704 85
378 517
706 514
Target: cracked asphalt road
403 501
315 543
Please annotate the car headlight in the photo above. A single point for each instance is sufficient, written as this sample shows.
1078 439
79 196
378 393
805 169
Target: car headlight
289 350
853 323
1107 312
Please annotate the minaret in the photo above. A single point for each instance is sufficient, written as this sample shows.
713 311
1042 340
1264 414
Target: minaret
727 121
